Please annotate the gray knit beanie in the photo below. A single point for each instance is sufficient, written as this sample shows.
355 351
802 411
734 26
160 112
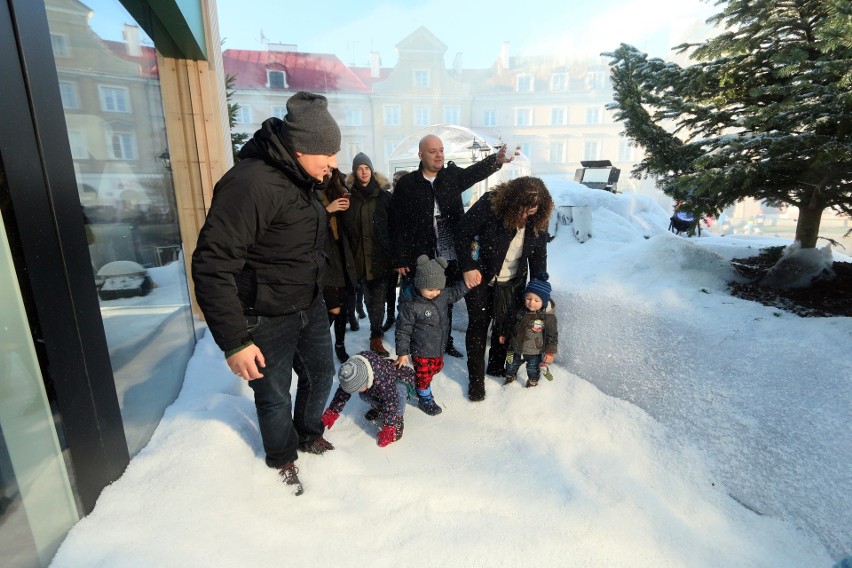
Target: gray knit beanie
308 126
355 373
430 273
361 158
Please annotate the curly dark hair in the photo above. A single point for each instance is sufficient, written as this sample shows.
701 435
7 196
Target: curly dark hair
511 199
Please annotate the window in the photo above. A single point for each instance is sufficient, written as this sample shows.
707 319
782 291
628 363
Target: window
390 115
557 116
524 83
559 82
489 118
557 152
452 114
243 115
593 115
523 117
353 117
59 44
422 115
114 99
591 150
121 142
526 149
68 93
390 146
422 78
596 79
77 141
279 111
276 79
626 151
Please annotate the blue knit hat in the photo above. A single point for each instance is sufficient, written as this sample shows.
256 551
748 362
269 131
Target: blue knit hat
540 287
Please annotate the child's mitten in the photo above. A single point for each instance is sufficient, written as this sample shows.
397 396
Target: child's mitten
329 417
387 435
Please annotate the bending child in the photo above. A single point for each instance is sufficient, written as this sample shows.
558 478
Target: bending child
534 335
381 384
423 326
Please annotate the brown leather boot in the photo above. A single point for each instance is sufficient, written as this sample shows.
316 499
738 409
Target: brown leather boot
376 346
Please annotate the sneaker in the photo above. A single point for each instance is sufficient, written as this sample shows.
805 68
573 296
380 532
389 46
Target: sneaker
340 351
376 346
532 383
290 475
318 446
428 405
372 414
509 380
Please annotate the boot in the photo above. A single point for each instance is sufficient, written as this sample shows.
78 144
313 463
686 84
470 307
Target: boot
532 383
372 414
340 351
451 350
509 380
476 389
353 322
399 426
290 475
427 403
388 322
376 346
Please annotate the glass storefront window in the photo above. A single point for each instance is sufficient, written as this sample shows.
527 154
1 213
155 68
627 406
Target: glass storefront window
37 505
110 88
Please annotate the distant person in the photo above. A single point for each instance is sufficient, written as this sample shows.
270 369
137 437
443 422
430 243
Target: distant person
258 269
533 335
500 240
366 223
393 282
382 385
340 275
423 326
427 207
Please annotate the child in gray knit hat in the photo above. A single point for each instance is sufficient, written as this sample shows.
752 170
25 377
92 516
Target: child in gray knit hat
424 324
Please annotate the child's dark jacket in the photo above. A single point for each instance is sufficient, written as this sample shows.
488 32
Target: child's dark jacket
534 332
423 326
385 377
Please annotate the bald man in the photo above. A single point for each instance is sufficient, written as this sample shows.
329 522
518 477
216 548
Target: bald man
427 207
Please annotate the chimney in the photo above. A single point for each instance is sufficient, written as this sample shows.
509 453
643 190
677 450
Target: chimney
503 61
375 65
132 41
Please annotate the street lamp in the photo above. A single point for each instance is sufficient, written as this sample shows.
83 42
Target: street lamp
478 151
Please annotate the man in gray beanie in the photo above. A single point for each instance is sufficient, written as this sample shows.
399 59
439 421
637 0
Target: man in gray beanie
256 270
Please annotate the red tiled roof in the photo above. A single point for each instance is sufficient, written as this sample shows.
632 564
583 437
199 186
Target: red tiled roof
316 72
364 74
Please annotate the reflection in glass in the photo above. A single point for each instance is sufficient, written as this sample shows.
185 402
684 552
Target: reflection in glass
110 91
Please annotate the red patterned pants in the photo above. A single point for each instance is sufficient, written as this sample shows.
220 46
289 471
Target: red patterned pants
425 368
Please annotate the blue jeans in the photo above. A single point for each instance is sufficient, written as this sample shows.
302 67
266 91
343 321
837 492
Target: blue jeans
299 342
533 361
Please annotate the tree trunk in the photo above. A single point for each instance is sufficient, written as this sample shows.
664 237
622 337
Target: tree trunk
807 227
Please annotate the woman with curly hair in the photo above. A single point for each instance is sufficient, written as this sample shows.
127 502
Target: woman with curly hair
500 240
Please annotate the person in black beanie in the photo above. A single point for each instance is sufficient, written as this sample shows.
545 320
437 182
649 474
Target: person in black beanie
258 268
366 223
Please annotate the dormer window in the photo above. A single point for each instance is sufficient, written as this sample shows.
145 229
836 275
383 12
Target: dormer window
524 83
276 79
559 82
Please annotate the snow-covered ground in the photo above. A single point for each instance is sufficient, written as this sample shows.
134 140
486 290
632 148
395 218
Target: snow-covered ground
685 427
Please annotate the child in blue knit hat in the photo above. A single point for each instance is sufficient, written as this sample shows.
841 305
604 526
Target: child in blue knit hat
533 335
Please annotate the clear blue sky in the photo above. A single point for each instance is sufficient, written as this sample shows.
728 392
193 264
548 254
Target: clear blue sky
351 30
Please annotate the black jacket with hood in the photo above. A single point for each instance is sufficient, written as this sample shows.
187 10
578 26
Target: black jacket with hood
260 251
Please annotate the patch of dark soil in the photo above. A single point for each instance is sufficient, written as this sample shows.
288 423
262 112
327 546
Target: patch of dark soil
821 299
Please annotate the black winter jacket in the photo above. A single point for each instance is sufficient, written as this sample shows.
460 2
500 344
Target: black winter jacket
339 262
366 223
413 207
492 237
260 250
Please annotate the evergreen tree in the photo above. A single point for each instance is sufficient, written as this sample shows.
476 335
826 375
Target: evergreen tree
237 138
764 112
